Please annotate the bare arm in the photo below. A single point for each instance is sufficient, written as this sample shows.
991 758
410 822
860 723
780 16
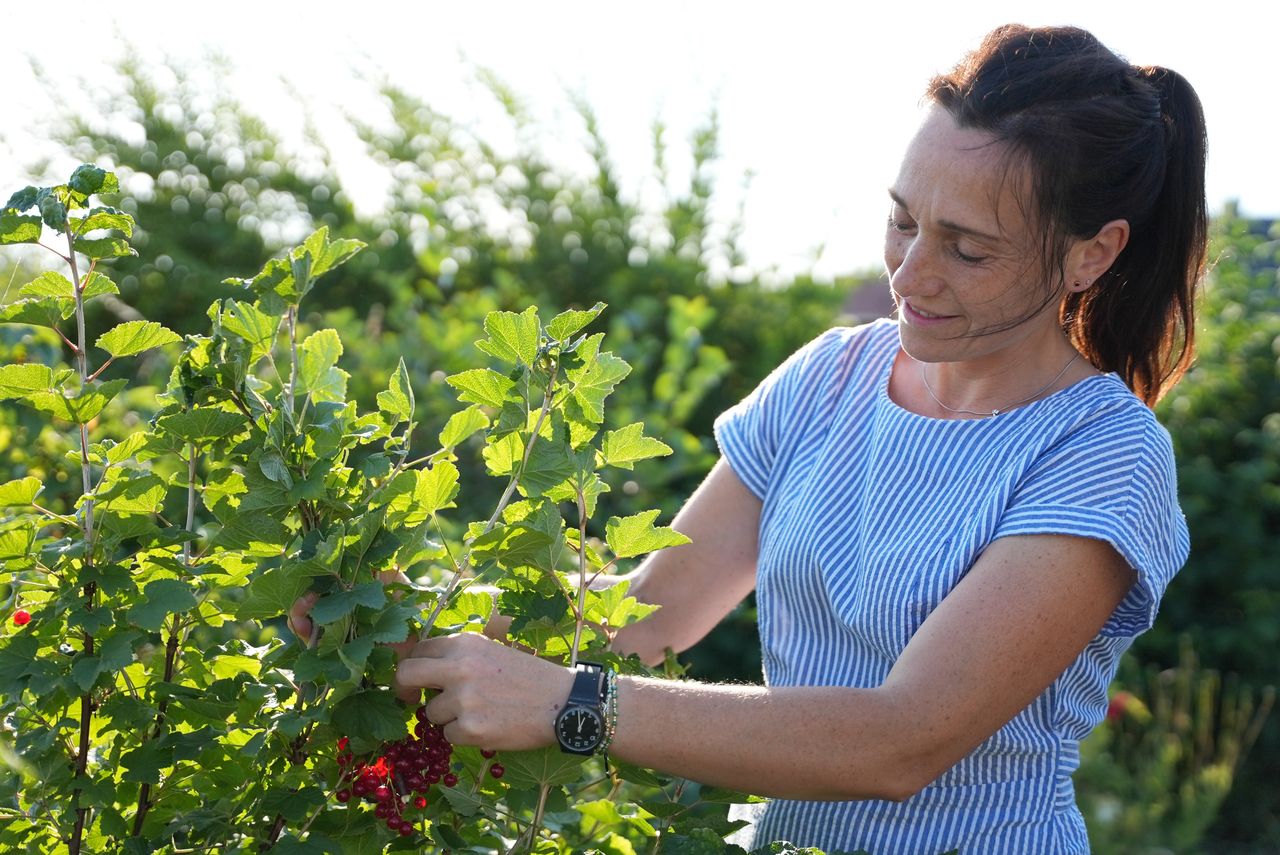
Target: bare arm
1013 624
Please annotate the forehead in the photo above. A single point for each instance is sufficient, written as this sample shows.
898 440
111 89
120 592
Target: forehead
961 175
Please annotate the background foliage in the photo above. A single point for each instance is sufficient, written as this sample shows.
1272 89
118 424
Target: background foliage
468 229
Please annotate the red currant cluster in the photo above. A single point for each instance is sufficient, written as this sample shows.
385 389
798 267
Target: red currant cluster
402 774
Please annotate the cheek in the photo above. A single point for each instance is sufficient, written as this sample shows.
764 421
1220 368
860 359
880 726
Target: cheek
895 250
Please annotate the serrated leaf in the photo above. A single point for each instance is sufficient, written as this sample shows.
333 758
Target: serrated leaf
392 625
203 425
160 599
512 337
272 464
255 533
637 535
113 655
541 767
15 548
20 492
49 284
625 446
23 199
482 386
108 247
274 592
613 608
469 608
397 401
134 337
549 464
18 228
565 324
596 379
371 715
96 285
105 218
250 323
132 493
462 425
18 381
317 376
89 179
53 210
40 312
81 407
342 603
503 455
417 494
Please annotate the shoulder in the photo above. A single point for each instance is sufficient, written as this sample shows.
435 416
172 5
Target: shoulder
844 347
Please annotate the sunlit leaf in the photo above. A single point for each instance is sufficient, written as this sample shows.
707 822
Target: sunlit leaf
160 599
81 407
637 535
626 446
482 386
20 492
203 424
397 400
462 425
566 324
19 381
17 228
512 337
134 337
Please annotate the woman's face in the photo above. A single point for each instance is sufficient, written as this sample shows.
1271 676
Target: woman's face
961 257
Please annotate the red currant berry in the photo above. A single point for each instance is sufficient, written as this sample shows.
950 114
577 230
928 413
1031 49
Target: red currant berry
420 713
432 777
21 617
487 754
420 802
450 780
406 828
343 743
343 796
497 770
382 811
393 823
382 794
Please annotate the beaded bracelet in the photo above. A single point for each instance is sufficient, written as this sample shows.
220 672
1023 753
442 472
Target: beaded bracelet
609 701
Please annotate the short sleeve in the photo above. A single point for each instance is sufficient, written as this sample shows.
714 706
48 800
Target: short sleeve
1114 481
751 434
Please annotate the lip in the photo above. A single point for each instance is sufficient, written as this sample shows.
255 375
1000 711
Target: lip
916 319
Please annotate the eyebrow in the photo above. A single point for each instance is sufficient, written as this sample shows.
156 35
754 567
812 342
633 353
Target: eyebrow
948 224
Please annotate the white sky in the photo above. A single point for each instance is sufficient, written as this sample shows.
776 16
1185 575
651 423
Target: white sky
815 99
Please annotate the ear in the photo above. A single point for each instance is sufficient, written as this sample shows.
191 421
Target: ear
1091 257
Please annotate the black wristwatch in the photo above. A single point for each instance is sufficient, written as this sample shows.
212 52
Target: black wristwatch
580 725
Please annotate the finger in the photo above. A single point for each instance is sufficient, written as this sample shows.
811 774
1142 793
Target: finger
420 673
299 620
437 647
441 710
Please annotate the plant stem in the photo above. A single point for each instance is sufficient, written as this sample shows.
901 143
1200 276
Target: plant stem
90 589
502 503
293 351
581 616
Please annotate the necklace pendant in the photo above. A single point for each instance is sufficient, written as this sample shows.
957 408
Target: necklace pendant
995 412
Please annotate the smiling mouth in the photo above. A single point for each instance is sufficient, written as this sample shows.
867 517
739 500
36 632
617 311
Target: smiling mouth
928 315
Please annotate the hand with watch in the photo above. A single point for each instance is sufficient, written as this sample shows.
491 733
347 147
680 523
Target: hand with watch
586 724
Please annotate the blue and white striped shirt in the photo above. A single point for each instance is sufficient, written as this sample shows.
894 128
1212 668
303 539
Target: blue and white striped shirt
872 514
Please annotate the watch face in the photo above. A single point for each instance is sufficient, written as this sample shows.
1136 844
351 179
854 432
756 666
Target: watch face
579 729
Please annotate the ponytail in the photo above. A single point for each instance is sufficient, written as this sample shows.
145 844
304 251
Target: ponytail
1138 319
1102 140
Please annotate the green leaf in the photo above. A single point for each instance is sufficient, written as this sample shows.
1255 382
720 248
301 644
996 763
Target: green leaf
611 607
392 624
503 455
462 425
89 179
23 199
49 284
44 312
113 655
637 535
255 533
160 599
20 492
417 494
566 324
596 379
273 284
317 376
370 715
103 247
625 446
16 228
482 386
53 210
81 407
469 608
274 592
512 337
397 401
549 464
541 767
342 603
273 466
16 545
96 285
250 323
203 425
134 337
105 218
132 492
19 381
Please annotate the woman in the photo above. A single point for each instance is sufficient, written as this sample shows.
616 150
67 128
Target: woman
955 522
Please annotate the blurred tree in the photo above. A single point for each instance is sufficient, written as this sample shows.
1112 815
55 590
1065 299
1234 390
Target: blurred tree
1225 421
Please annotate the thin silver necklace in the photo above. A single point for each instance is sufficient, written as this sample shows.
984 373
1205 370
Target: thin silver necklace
924 377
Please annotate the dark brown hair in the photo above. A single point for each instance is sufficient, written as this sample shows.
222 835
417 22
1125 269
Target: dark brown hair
1101 140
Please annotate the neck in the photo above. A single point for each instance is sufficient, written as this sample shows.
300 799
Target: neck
989 385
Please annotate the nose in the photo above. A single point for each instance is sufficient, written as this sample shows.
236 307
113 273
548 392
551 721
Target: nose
910 267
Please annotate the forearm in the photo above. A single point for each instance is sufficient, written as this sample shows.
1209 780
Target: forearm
820 743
